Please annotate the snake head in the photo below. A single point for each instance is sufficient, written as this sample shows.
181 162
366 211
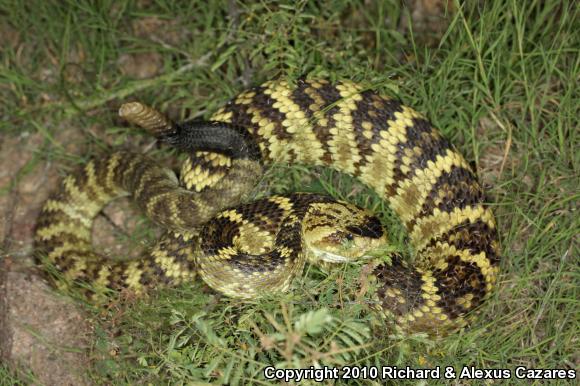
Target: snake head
338 232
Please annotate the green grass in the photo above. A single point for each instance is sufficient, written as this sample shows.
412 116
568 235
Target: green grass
502 85
7 378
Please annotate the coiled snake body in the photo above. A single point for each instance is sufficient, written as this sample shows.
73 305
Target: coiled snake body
244 250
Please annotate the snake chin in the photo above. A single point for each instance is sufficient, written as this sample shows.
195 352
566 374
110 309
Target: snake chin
329 257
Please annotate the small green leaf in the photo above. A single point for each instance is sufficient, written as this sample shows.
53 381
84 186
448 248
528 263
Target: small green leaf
313 322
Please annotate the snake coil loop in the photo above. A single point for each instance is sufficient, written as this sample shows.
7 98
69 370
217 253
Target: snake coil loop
386 145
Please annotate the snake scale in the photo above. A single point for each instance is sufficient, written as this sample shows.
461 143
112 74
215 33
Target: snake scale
383 143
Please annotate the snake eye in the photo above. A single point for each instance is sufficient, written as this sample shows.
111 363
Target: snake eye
372 228
349 237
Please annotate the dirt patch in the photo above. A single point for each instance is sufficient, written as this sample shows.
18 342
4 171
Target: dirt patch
166 32
429 18
119 231
41 332
25 185
147 64
500 155
142 65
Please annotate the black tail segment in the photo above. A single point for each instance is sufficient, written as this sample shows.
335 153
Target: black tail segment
219 137
191 136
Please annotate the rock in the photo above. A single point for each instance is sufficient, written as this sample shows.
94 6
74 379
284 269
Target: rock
40 333
142 65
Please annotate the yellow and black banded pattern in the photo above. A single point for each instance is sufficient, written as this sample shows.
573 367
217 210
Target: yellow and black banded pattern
259 247
242 252
63 230
386 145
399 154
